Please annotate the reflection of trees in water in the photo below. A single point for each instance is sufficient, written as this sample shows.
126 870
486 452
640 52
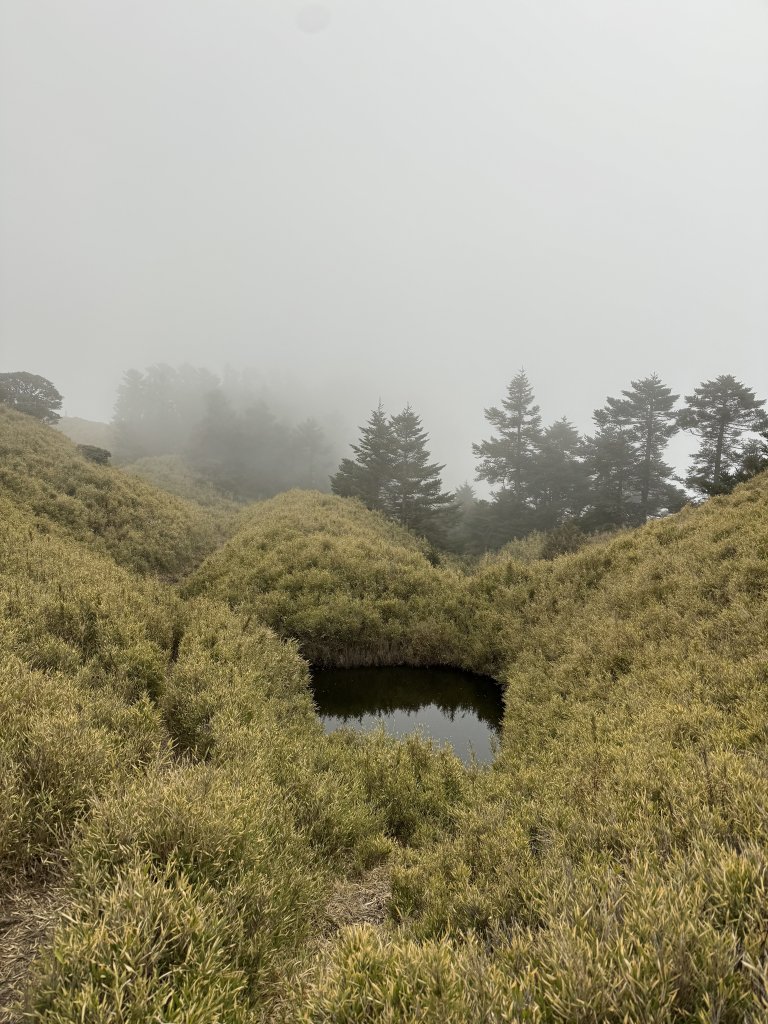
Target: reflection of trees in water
353 694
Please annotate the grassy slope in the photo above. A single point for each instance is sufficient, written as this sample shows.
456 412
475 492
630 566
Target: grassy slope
87 431
351 587
614 863
159 759
162 767
172 474
141 528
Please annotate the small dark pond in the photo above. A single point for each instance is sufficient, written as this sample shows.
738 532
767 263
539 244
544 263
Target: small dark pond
446 705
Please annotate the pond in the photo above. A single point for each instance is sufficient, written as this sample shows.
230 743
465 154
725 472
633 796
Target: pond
447 706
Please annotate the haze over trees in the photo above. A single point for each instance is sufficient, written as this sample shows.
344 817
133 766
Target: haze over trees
224 430
544 479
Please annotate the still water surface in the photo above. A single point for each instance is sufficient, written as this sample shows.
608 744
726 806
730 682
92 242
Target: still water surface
445 705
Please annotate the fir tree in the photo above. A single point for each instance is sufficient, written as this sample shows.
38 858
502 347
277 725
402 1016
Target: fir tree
647 410
369 474
612 461
219 447
415 496
508 458
720 412
562 486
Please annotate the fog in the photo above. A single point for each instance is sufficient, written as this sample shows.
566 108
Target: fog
396 199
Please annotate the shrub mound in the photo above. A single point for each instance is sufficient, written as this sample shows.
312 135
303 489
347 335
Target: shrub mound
351 587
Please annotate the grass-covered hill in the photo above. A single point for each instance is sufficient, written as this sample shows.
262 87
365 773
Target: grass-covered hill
176 832
173 474
350 586
87 431
146 530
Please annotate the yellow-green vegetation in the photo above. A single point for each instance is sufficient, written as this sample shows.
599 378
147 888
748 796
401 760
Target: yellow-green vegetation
86 431
139 527
161 766
350 586
171 473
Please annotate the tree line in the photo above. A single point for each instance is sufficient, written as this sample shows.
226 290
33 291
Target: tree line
547 478
542 478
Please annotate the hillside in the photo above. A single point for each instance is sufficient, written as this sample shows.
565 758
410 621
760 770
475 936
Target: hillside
138 526
86 431
172 474
178 827
350 586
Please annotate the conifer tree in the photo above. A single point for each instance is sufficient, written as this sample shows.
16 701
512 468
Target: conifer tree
508 458
720 412
415 496
369 474
752 459
647 410
562 486
612 461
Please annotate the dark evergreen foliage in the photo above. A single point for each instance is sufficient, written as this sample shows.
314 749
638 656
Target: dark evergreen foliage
561 479
508 457
648 411
720 412
414 496
31 394
392 473
95 454
370 473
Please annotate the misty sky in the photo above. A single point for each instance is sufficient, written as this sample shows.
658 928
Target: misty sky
400 198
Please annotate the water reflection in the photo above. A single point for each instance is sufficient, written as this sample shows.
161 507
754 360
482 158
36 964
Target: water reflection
447 706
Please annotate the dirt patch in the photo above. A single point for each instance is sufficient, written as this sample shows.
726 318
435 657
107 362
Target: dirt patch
26 920
361 900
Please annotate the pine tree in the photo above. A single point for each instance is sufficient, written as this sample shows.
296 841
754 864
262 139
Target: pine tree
562 486
369 474
752 459
612 461
720 412
415 497
508 458
647 410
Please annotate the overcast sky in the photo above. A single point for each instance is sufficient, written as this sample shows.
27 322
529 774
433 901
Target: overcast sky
405 199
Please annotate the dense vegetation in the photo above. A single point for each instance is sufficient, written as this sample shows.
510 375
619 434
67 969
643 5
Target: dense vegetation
167 789
351 587
42 472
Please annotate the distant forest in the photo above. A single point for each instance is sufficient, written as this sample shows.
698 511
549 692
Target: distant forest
549 480
225 431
